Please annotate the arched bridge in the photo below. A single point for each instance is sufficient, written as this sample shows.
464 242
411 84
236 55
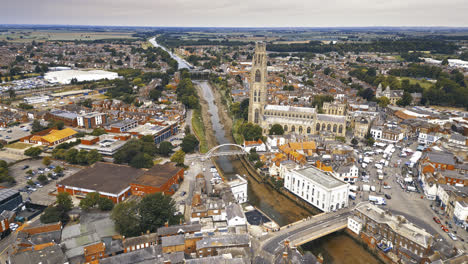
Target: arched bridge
216 152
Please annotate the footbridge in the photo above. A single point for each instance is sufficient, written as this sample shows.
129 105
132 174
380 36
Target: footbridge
227 149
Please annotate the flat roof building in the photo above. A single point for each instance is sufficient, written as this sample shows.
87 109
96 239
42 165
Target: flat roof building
66 77
322 190
160 178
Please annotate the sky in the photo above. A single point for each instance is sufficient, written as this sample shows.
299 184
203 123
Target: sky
240 13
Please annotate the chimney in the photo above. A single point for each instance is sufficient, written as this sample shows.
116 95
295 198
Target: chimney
286 243
285 255
123 238
147 231
180 221
166 224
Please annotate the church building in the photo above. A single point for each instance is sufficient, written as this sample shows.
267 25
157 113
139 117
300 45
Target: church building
299 120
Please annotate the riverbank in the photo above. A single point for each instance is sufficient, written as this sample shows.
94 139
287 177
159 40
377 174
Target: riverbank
201 124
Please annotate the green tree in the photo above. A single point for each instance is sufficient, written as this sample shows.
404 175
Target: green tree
178 157
30 183
165 148
46 161
11 93
98 131
33 152
71 156
383 101
29 172
250 131
90 201
276 129
36 126
445 61
327 71
405 100
142 160
126 218
58 169
105 204
259 164
93 156
42 178
82 157
53 214
155 210
354 141
189 143
64 201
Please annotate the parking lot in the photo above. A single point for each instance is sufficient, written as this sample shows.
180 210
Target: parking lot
13 133
41 194
413 205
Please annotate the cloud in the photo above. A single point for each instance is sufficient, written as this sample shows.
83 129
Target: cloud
244 13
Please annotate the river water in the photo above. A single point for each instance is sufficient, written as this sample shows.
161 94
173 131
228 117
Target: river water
182 64
335 248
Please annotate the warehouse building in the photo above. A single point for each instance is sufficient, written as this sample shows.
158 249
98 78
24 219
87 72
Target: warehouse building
9 199
53 137
66 77
160 178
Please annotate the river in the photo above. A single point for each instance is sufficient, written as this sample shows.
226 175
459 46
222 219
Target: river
336 248
182 64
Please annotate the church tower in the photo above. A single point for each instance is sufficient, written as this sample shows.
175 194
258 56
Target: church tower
258 77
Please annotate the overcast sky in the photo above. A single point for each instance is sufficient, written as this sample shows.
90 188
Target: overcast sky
240 13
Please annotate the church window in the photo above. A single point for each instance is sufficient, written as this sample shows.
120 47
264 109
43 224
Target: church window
300 129
317 127
323 126
257 116
285 128
308 130
340 129
334 128
328 127
293 129
257 76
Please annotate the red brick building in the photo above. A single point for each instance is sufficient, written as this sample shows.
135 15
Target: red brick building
109 180
160 178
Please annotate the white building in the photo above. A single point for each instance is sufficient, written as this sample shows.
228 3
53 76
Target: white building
429 186
65 77
36 99
457 139
460 213
273 143
235 216
376 132
355 224
259 146
90 120
317 188
347 173
427 139
239 189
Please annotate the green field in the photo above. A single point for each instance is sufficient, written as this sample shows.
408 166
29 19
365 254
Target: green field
22 35
19 145
424 84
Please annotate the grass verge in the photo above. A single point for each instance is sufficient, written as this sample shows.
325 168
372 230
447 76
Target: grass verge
199 129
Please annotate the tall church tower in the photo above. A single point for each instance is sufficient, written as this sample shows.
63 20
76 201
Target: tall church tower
258 77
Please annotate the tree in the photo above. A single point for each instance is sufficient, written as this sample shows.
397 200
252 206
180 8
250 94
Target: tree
46 161
259 164
276 129
98 131
250 131
189 143
29 172
90 200
105 204
33 152
142 160
58 169
354 141
405 100
370 140
165 148
70 156
383 101
367 94
155 94
155 210
93 156
64 201
30 183
327 71
36 126
42 178
126 218
53 214
11 93
178 157
445 61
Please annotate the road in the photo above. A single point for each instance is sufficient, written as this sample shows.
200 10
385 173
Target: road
272 242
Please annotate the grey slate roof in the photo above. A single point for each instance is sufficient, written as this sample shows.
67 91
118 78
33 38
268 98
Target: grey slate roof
228 240
441 157
172 241
234 210
175 229
48 255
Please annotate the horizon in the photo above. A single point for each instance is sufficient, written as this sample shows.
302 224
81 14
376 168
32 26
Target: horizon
243 13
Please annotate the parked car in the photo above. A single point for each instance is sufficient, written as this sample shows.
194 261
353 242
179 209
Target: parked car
444 228
388 196
25 167
183 193
436 220
452 236
22 190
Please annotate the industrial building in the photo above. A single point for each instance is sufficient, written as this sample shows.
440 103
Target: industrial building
9 199
66 77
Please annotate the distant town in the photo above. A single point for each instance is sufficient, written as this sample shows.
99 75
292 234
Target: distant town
224 145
